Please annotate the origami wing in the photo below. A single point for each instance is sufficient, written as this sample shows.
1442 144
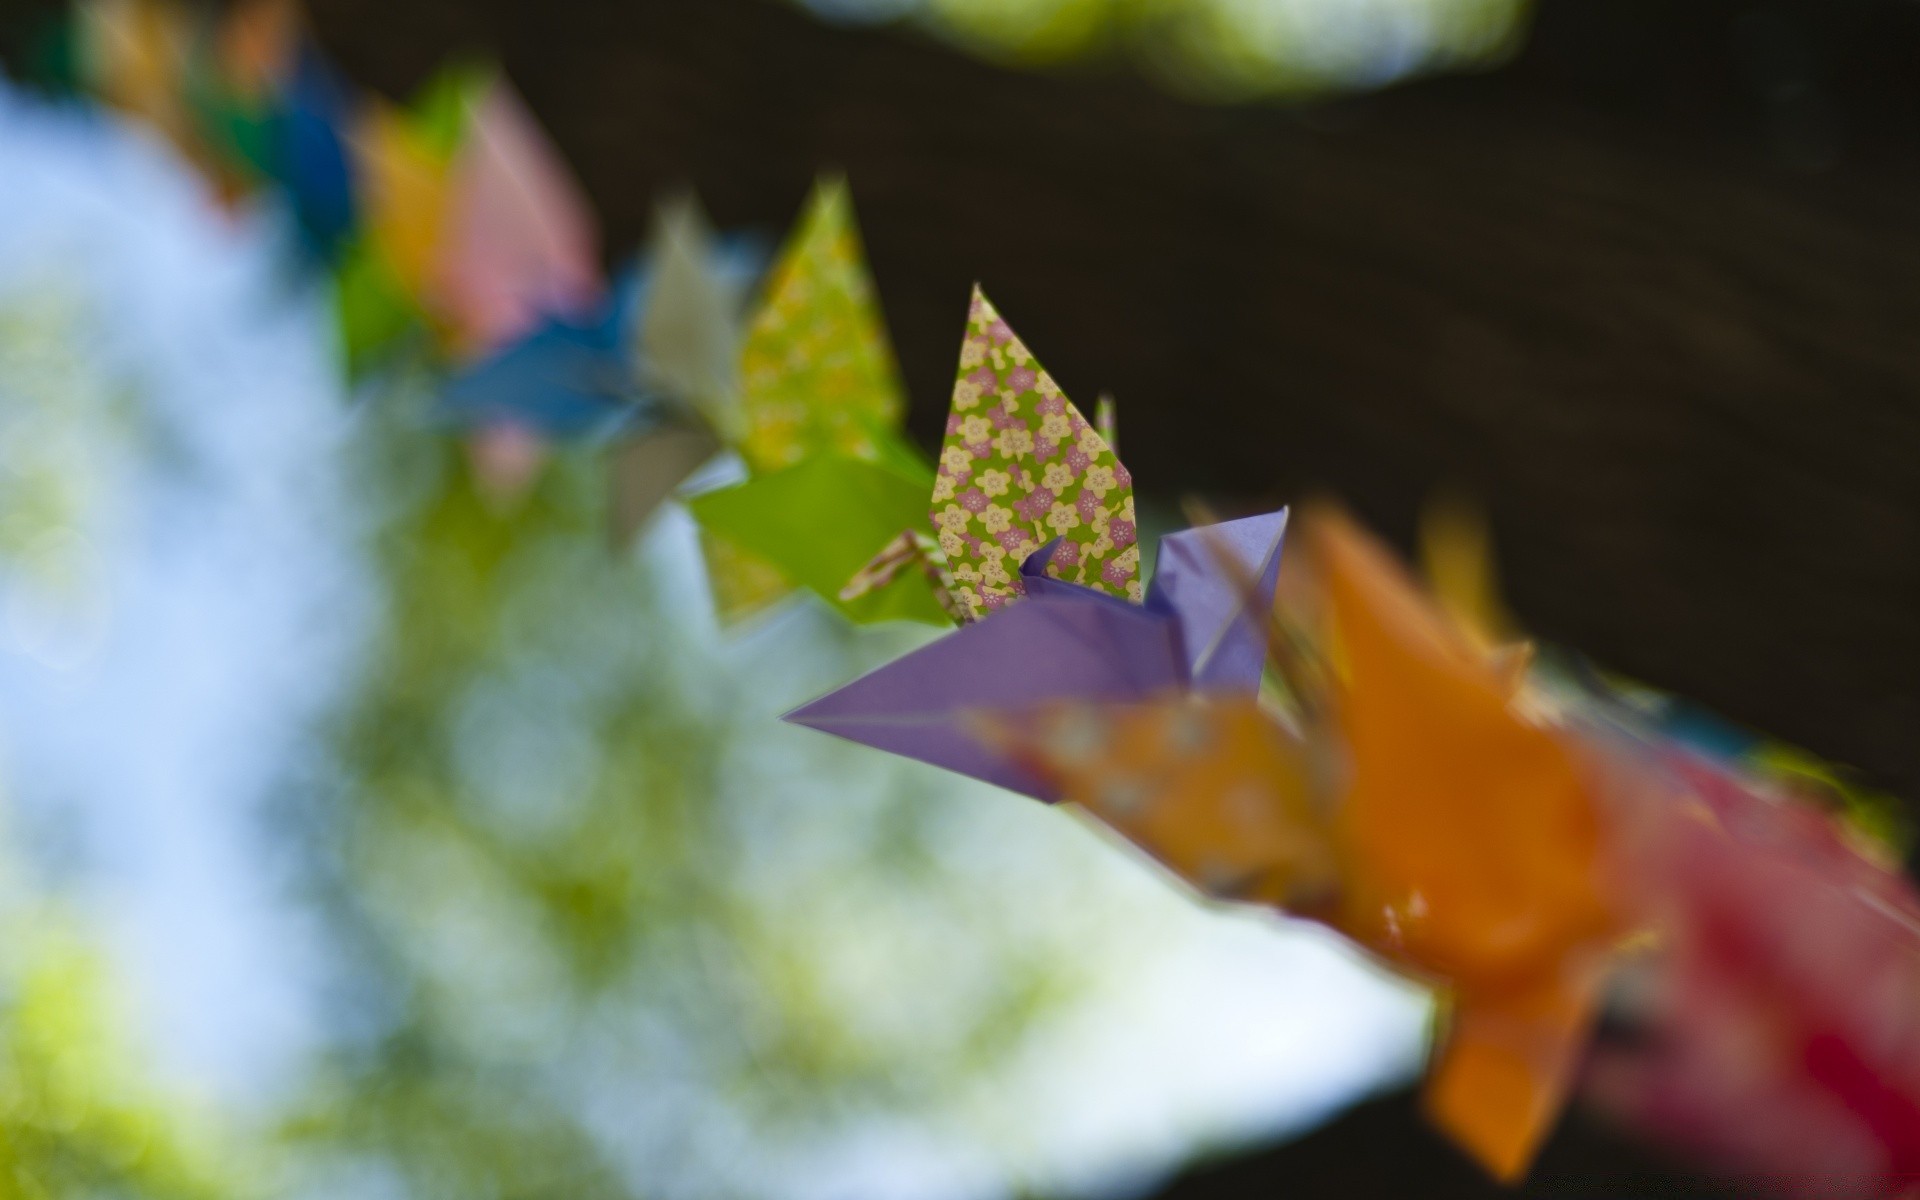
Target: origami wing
1210 786
1020 466
404 191
1217 582
645 469
816 371
235 90
521 242
682 309
817 522
133 53
923 705
563 381
386 271
688 329
311 160
1471 848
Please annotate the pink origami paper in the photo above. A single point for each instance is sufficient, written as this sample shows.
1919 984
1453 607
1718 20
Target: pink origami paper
1776 1025
521 243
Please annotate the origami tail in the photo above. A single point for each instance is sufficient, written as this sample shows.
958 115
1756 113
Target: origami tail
1497 1085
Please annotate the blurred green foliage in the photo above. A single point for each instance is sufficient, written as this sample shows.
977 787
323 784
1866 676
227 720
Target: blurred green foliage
77 1118
1228 50
603 927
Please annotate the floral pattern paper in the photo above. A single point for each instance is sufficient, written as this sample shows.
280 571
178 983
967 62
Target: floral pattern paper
816 370
1020 467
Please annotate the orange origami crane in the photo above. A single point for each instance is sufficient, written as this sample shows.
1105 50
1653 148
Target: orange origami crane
1418 812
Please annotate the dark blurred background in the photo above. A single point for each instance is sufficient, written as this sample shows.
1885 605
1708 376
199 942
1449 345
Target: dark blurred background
1649 291
1646 286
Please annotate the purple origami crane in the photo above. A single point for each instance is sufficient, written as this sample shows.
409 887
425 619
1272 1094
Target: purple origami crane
1201 629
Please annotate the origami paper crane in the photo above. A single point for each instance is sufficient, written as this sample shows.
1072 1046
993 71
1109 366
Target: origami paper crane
1020 465
630 376
1473 850
819 407
1198 630
1772 1033
1419 815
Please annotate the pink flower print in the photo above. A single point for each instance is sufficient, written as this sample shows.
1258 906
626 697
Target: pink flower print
1003 417
1035 505
953 423
1086 502
1121 476
981 450
1021 379
1115 575
1078 424
973 500
1078 460
1067 554
1121 532
1051 405
985 380
1000 332
1045 448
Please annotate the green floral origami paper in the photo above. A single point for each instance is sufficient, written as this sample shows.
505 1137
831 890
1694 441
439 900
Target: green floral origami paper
1020 467
816 371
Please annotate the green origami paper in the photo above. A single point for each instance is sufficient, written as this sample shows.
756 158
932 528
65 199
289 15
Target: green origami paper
373 308
820 521
1020 467
816 371
440 110
820 403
